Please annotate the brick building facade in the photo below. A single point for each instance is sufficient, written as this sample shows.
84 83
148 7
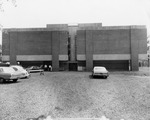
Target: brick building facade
76 47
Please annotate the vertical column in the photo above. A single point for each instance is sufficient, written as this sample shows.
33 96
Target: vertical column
134 49
89 51
55 50
72 33
13 47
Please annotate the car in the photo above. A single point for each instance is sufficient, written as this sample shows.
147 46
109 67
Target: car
4 64
33 69
8 73
24 72
100 71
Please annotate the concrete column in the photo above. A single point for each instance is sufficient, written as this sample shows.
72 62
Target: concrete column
55 50
89 50
134 49
72 33
13 47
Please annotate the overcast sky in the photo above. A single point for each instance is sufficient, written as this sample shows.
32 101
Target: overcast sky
38 13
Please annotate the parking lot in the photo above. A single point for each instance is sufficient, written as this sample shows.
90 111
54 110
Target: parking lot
123 95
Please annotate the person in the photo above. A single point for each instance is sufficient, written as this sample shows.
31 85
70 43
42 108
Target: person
45 67
50 68
42 72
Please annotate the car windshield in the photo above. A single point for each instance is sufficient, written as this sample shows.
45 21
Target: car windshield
15 68
19 68
8 69
99 68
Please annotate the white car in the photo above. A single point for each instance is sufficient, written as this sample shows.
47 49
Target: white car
8 73
100 71
24 72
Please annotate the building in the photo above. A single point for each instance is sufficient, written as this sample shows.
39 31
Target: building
76 47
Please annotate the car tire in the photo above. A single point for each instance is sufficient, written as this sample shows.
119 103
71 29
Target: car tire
15 80
3 80
105 77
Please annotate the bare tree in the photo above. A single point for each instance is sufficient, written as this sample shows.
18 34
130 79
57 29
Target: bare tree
2 2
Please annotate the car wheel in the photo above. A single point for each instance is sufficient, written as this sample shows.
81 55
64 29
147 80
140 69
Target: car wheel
93 76
3 80
105 77
15 80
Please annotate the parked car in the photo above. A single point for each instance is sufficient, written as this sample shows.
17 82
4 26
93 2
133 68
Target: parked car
4 64
33 69
8 73
24 73
100 71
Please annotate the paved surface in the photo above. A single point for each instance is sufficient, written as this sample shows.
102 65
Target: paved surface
124 95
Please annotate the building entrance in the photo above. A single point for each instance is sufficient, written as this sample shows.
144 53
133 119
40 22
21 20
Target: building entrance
72 48
72 66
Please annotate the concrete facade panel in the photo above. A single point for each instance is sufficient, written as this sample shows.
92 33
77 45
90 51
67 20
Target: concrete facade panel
106 57
5 58
34 43
142 37
13 47
63 57
111 56
34 57
89 50
55 50
81 57
134 49
80 42
5 43
111 42
63 43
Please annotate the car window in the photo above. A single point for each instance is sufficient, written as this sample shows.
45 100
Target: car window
15 68
20 68
8 69
99 68
1 70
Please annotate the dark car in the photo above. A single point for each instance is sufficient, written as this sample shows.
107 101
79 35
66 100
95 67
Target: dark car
4 65
33 69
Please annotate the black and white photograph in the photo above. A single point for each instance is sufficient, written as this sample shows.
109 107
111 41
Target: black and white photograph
74 59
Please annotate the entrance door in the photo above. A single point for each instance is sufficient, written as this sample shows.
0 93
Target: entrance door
72 66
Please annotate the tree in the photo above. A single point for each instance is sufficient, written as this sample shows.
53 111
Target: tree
2 2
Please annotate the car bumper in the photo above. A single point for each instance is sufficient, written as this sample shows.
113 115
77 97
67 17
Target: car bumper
100 74
13 77
24 75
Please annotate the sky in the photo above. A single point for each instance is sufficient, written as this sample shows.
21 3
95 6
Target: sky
38 13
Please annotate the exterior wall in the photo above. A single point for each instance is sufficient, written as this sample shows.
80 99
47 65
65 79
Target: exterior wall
35 45
89 50
113 47
13 47
5 43
112 44
72 34
138 45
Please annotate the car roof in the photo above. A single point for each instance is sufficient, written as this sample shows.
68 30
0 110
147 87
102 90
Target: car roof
6 67
99 67
15 66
